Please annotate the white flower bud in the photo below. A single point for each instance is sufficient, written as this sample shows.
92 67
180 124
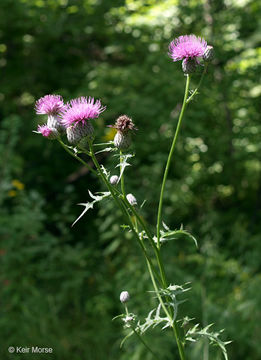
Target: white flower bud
131 199
124 297
114 179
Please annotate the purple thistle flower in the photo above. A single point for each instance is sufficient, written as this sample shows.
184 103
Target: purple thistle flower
44 130
47 132
79 110
188 46
50 105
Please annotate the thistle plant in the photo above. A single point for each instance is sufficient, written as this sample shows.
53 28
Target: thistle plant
76 119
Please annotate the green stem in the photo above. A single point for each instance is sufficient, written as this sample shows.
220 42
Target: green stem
122 177
198 86
179 342
143 342
142 245
151 240
142 222
138 335
121 206
76 157
114 196
157 292
170 317
163 281
126 203
169 161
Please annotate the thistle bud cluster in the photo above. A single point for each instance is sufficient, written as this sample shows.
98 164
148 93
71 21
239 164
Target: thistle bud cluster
52 106
74 118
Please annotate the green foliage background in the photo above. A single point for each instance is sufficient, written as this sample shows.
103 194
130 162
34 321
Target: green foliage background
60 285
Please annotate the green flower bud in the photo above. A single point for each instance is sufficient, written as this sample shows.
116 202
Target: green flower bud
189 66
122 140
208 54
77 132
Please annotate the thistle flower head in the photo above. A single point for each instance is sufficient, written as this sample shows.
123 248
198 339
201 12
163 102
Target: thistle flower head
123 124
50 105
187 46
49 133
44 130
81 110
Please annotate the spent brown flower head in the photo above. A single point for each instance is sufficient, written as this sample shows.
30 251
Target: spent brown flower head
123 124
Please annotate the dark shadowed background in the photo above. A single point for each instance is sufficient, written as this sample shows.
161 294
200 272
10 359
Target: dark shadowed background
60 285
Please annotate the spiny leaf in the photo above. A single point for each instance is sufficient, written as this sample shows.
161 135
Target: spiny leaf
105 171
89 205
170 235
165 226
194 333
126 337
117 317
123 164
108 149
143 203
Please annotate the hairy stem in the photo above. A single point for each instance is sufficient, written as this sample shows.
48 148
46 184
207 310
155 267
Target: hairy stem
143 342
